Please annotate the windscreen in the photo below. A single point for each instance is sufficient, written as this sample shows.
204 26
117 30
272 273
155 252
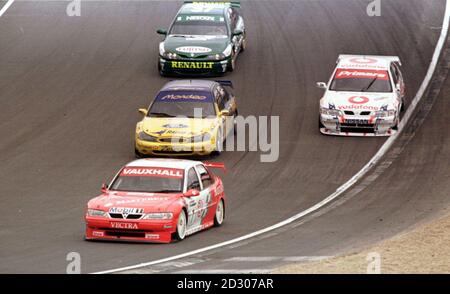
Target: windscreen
149 179
204 25
191 104
361 80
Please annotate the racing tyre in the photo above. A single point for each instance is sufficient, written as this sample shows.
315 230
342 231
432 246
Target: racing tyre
161 72
320 124
180 234
138 154
220 214
232 63
244 44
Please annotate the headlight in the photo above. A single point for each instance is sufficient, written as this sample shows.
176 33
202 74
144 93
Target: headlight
163 53
146 137
162 50
227 51
96 212
383 113
158 215
332 112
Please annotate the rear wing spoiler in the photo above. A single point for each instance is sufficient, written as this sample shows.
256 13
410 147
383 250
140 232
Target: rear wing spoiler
236 4
220 165
388 58
226 83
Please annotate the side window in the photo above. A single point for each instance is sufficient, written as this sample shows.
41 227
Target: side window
221 98
394 74
233 19
205 176
192 180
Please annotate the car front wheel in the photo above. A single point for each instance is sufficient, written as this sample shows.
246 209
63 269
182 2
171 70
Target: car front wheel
180 234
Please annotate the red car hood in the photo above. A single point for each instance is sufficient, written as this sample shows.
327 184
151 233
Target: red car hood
150 202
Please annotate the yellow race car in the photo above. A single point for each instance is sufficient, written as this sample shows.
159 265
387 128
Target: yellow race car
187 117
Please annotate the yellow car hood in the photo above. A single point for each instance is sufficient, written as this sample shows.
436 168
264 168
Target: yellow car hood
169 127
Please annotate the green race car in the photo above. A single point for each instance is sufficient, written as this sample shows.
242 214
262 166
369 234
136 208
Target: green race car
203 39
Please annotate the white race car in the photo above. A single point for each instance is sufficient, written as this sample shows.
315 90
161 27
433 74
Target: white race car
364 97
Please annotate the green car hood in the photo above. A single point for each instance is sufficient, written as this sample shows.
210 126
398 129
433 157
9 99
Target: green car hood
195 46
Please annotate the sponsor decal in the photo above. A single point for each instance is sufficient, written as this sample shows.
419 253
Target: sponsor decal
357 107
361 74
140 200
357 121
129 226
192 65
175 126
152 172
200 18
184 97
193 49
125 211
98 234
362 60
358 99
152 236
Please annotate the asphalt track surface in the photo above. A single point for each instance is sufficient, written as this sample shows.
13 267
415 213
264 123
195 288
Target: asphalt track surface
69 92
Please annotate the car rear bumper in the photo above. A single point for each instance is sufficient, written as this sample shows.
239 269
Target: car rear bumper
123 230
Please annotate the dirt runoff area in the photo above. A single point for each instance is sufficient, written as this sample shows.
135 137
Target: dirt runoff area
425 249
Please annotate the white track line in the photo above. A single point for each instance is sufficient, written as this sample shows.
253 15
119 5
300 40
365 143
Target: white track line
373 161
7 5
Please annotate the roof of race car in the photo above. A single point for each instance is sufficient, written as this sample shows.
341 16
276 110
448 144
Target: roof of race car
366 61
210 7
199 85
164 162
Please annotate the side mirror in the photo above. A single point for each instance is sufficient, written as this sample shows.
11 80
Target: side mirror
321 85
143 111
161 32
225 112
104 188
238 32
191 193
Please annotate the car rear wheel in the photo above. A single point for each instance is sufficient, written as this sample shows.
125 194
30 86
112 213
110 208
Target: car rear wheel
180 234
220 214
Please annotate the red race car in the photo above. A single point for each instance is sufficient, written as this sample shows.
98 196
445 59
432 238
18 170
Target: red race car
157 200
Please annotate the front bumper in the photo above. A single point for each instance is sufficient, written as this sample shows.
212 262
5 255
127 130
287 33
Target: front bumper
193 67
152 231
172 149
359 126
